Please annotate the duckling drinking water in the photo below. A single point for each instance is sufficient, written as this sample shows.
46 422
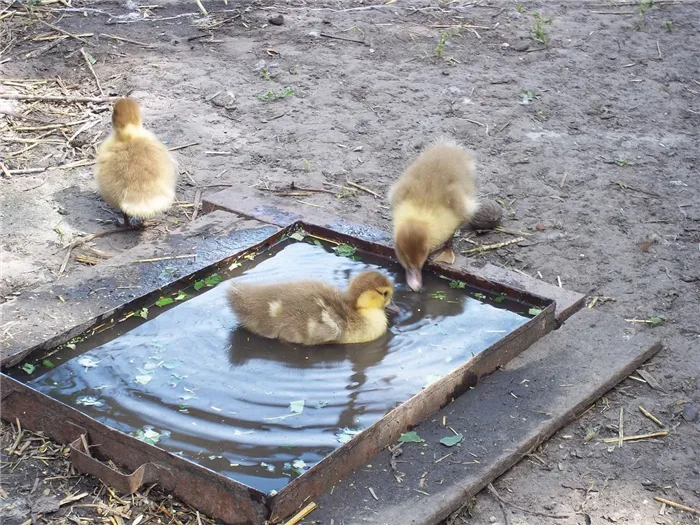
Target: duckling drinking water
135 172
314 313
430 201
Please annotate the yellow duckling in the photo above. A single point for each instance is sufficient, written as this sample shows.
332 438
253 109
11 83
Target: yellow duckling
430 201
314 313
135 172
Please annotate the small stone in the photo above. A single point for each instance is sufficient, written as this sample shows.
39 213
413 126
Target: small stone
540 227
492 519
446 73
314 34
521 45
276 20
690 412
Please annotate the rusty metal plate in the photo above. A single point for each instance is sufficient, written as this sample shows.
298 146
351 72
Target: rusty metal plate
230 501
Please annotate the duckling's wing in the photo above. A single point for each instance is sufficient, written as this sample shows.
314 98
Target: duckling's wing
325 327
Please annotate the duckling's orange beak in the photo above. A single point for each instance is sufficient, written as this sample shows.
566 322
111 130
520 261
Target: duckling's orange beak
392 308
414 279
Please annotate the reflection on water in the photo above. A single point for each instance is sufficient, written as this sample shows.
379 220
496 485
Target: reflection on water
232 401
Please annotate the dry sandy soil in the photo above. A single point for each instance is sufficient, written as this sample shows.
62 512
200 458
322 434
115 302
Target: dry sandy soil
591 143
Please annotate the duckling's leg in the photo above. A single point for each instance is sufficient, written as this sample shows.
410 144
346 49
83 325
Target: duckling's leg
130 222
445 253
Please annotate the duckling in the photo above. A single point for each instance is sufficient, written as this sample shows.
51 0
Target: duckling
135 172
314 313
430 201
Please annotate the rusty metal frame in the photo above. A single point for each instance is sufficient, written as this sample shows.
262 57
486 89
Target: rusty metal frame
230 501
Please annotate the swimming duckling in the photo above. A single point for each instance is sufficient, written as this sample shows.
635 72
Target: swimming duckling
135 172
314 313
430 201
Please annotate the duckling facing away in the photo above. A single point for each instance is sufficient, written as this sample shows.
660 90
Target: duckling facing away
314 313
430 201
135 172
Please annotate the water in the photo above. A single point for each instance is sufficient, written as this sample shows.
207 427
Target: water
256 410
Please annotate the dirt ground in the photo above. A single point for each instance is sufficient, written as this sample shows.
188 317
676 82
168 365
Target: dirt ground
591 144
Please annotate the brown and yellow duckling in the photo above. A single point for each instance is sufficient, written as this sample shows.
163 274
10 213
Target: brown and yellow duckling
314 313
135 172
430 201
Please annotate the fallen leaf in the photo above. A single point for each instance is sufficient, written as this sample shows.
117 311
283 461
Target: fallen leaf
410 437
29 368
451 441
143 379
297 407
164 301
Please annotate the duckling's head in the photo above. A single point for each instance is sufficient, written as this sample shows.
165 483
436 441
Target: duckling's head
126 116
371 291
412 249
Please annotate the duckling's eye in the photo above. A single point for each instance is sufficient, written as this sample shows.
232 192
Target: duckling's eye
385 293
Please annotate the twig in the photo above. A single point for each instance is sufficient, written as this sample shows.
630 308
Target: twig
658 48
367 190
661 433
488 247
5 171
175 148
677 505
122 39
309 203
197 202
371 491
335 37
651 416
495 494
64 32
201 7
94 75
85 444
296 188
54 98
169 258
82 240
523 509
620 429
563 180
47 47
479 124
302 514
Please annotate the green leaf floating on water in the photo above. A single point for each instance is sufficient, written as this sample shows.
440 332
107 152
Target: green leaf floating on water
181 296
440 296
47 363
479 295
213 280
29 368
410 437
318 243
164 301
297 236
451 441
148 435
143 379
534 311
345 250
143 312
457 285
346 435
498 299
297 407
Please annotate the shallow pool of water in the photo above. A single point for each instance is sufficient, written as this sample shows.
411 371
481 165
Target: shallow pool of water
260 411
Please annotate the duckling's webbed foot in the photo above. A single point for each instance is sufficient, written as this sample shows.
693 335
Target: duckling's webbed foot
445 254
